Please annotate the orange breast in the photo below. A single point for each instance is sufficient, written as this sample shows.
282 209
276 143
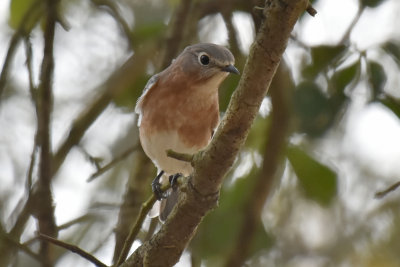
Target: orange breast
192 112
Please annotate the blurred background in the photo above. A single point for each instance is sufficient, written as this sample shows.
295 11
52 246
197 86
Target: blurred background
332 199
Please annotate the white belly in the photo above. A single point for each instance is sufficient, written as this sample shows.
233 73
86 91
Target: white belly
156 146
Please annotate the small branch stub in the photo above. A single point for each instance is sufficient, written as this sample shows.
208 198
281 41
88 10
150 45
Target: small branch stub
180 156
311 10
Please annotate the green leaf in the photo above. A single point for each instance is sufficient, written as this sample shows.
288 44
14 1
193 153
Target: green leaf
318 181
226 90
258 134
322 56
218 232
372 3
130 94
392 104
262 240
313 109
344 77
19 11
377 78
393 49
149 31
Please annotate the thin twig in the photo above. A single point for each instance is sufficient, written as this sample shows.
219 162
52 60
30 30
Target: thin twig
144 209
75 221
73 249
137 189
44 212
179 156
20 246
347 33
311 10
178 27
390 189
29 17
28 51
114 11
112 163
152 228
233 38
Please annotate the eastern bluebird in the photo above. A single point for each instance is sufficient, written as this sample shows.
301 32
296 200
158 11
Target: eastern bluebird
179 110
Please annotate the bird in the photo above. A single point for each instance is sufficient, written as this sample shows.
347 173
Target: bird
179 110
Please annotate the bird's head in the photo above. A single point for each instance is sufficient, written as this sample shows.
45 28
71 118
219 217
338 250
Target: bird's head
204 62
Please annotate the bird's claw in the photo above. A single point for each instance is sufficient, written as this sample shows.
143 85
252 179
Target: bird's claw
156 188
173 179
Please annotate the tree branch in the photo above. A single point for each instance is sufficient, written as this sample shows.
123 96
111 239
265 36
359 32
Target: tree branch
123 78
174 40
31 16
113 162
137 189
200 194
273 151
180 156
390 189
43 208
144 209
346 35
114 11
73 248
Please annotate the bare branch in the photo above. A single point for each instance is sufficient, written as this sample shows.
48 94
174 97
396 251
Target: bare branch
311 10
146 207
390 189
174 39
232 36
8 238
112 163
113 9
80 219
179 156
73 249
31 17
353 23
119 81
137 190
43 208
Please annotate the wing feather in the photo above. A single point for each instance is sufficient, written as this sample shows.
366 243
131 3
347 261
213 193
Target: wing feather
138 108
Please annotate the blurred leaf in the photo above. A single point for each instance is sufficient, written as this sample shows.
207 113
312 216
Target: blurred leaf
19 11
149 31
372 3
262 240
258 134
129 96
318 181
313 109
377 78
322 56
344 77
226 91
218 232
393 49
392 104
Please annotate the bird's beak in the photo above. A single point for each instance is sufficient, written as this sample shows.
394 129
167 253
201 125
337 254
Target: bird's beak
230 68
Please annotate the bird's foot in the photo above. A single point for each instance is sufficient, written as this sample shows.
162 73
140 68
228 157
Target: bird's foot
156 187
173 179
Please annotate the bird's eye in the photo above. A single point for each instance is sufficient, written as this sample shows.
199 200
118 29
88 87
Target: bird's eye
204 59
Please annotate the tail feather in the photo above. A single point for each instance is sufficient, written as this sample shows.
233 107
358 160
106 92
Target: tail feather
168 204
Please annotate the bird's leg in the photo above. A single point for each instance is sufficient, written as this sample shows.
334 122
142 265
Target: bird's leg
156 187
173 179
